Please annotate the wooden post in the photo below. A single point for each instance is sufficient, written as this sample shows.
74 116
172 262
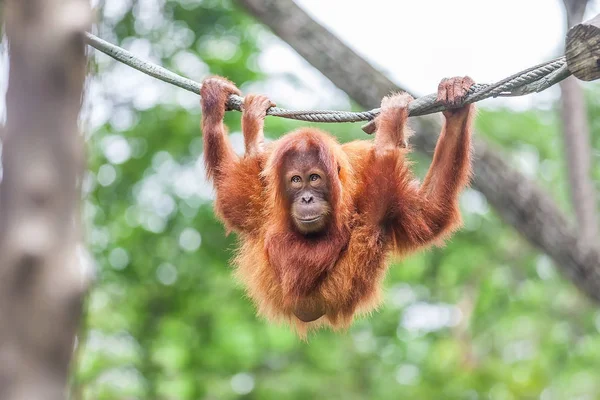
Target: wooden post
41 280
583 49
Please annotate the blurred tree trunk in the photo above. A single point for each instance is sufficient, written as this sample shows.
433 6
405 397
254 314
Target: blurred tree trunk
576 133
519 201
41 282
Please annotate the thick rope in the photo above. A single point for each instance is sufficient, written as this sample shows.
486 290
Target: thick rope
531 80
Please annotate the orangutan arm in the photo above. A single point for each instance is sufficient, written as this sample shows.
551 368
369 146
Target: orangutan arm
410 215
239 188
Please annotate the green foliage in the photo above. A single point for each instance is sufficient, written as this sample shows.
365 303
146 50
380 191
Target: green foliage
487 316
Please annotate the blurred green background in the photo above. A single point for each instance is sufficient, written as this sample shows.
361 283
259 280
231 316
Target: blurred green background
487 316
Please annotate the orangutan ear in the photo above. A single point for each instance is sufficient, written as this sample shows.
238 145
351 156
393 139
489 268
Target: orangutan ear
339 169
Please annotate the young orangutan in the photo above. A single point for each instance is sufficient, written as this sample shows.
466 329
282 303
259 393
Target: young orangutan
316 219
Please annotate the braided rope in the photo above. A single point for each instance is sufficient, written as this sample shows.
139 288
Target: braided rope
531 80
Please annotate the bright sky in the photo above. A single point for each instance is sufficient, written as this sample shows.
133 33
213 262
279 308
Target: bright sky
416 42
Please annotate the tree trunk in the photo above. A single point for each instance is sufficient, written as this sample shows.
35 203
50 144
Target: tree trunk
577 141
41 283
519 201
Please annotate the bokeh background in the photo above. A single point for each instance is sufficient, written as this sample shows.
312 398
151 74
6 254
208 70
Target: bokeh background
485 317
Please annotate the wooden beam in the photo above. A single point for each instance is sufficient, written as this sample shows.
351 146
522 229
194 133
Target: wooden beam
583 49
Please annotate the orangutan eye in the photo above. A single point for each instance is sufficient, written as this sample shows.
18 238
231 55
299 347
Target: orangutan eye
314 177
296 179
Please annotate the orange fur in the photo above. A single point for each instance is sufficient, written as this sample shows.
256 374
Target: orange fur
378 206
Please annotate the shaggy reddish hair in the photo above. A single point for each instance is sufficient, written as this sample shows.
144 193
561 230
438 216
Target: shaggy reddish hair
377 207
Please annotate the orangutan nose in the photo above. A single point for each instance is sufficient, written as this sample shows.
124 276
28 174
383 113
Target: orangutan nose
307 199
